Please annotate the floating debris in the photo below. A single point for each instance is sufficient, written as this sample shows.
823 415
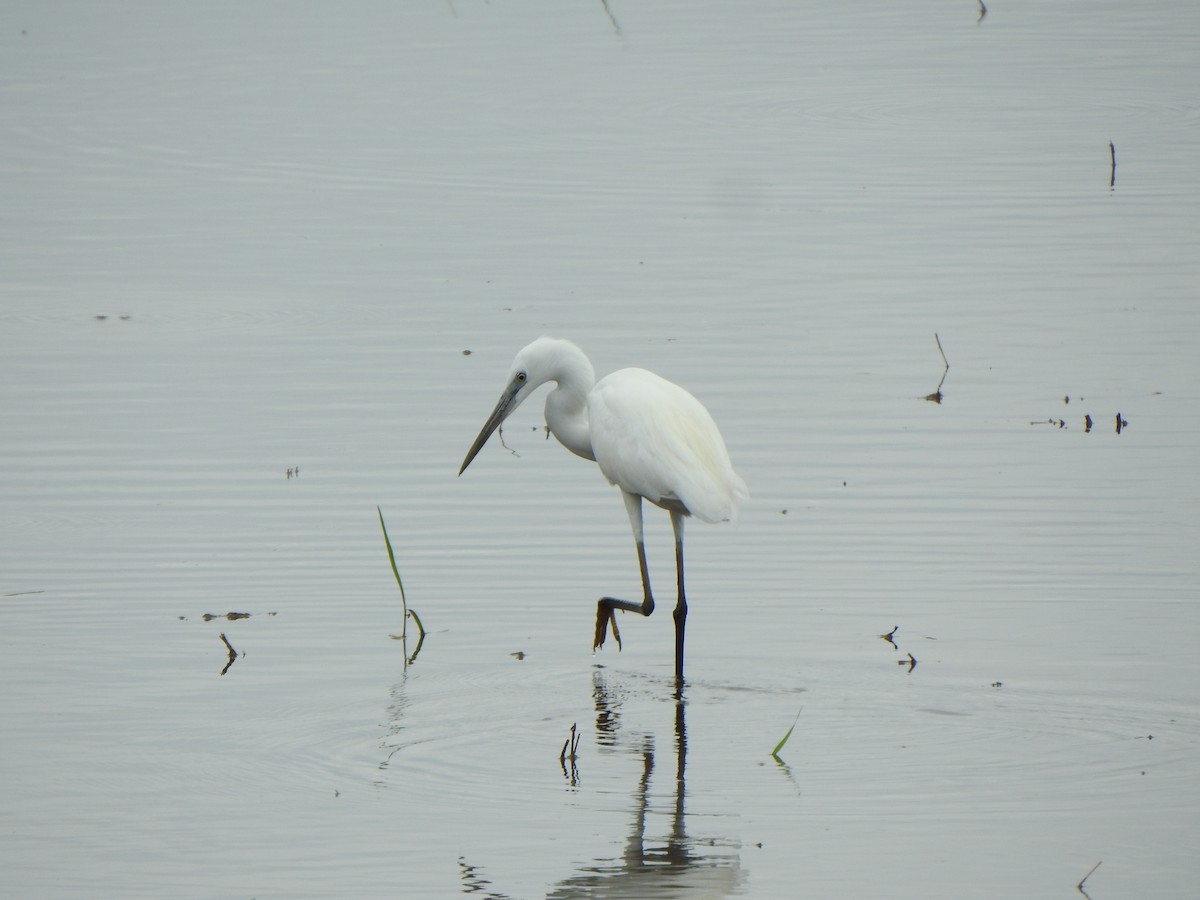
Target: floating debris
1121 422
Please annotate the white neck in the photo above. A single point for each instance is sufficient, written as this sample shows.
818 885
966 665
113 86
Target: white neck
566 407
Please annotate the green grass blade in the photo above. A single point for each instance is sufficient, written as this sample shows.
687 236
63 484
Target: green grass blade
784 740
420 627
392 560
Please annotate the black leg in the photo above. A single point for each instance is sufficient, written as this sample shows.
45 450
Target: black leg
606 606
680 614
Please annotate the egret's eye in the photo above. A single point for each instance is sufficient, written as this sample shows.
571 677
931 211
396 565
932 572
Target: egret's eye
521 376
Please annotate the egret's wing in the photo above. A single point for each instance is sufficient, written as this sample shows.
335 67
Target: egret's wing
653 438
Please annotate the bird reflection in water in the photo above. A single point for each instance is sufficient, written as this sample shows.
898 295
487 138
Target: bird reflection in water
672 866
651 866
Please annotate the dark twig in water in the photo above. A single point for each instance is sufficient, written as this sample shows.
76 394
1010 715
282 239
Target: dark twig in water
1112 172
890 637
1079 887
611 18
570 754
936 396
982 12
571 743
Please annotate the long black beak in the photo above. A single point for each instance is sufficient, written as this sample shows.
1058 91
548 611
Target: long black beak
508 402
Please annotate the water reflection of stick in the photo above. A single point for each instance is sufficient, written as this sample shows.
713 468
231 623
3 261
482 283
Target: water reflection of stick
233 654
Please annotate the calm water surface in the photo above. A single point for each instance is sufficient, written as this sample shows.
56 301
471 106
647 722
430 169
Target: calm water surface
238 240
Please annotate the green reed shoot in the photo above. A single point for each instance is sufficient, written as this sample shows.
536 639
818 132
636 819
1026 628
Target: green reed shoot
784 739
403 600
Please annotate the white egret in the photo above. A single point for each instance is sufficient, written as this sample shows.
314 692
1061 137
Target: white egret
650 437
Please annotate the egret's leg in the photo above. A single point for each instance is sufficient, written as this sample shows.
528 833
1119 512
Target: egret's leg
606 606
680 614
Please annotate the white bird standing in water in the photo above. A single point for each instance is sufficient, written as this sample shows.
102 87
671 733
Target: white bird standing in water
650 437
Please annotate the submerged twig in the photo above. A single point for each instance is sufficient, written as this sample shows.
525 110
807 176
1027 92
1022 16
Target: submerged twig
1112 171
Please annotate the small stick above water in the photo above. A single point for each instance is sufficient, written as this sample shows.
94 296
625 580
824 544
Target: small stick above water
1079 887
941 351
936 396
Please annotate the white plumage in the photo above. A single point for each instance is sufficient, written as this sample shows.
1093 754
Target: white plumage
652 438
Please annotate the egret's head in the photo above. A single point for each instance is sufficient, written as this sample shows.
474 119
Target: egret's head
531 368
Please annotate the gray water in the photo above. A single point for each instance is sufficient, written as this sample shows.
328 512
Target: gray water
244 238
